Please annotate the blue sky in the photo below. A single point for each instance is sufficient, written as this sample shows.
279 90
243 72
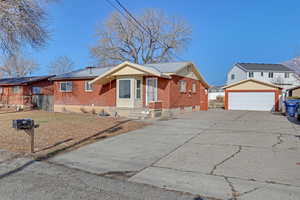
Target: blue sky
224 31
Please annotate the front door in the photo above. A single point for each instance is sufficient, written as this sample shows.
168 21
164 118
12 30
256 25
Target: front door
151 90
129 92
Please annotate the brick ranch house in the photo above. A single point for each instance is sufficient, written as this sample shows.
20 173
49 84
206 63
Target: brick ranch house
128 88
24 91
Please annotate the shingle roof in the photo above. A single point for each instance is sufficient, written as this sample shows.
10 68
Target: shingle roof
22 80
167 67
89 73
264 67
94 72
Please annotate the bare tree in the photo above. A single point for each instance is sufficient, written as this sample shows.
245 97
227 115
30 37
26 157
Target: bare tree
60 65
21 24
120 39
17 65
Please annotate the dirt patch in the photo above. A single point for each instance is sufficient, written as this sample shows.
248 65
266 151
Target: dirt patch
60 131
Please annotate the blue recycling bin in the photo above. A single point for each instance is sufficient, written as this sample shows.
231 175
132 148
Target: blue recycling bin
290 106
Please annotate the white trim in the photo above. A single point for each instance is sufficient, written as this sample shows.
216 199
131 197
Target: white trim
66 88
135 89
253 80
124 79
85 88
135 66
153 78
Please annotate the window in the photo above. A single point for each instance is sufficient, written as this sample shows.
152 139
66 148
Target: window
286 75
271 74
1 90
182 86
232 76
194 88
16 89
251 74
88 87
66 86
151 90
262 74
138 89
36 90
124 89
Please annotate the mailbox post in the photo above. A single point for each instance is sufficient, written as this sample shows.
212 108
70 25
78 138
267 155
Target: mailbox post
28 126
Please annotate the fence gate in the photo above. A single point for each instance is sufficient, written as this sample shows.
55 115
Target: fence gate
43 102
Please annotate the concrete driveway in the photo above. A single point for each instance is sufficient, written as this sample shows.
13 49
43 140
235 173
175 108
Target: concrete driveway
221 154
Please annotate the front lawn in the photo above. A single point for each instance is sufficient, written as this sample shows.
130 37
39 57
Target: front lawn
60 131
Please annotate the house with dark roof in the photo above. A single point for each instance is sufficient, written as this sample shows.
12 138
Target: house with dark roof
277 74
132 88
25 91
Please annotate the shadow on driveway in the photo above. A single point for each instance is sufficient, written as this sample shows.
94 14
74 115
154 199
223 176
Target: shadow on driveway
293 120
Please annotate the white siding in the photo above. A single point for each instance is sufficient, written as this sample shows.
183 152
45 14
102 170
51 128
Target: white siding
278 77
238 73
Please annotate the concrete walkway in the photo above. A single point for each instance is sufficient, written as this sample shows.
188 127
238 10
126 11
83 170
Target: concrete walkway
221 154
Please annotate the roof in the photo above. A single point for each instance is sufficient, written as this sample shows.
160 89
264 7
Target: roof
293 88
86 73
157 69
171 67
216 89
253 80
22 80
264 67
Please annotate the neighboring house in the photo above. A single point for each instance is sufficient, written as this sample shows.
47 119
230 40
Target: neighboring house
251 94
215 91
131 87
25 91
293 92
277 74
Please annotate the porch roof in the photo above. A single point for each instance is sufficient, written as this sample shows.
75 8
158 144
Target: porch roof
132 69
164 70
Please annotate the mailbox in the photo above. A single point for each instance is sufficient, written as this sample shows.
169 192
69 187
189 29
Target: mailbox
23 124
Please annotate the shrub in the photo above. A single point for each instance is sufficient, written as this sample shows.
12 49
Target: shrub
83 110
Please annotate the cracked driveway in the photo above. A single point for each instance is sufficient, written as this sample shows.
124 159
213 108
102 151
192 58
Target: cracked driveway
222 154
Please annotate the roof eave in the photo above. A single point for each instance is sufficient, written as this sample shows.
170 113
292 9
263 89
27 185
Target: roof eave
73 78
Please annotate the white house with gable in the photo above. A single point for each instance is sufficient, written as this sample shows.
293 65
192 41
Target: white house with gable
277 74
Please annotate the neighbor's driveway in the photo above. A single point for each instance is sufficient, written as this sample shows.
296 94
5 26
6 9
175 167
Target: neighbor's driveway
222 154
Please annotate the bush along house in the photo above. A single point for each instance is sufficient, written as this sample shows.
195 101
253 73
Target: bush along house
28 92
132 90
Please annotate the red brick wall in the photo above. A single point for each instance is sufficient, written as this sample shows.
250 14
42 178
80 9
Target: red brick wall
170 96
188 98
46 86
24 96
100 96
8 97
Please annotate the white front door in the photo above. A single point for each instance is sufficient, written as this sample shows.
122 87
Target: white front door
151 90
125 92
261 101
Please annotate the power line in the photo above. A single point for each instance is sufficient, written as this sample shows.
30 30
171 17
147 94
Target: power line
138 24
145 29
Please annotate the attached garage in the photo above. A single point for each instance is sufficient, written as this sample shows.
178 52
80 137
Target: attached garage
252 95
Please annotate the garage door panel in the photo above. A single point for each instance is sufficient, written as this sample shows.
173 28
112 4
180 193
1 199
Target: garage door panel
263 101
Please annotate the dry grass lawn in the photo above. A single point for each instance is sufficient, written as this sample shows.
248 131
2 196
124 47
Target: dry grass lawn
60 131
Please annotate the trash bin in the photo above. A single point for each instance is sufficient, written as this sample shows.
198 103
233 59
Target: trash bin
290 107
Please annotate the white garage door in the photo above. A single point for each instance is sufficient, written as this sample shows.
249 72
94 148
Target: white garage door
262 101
